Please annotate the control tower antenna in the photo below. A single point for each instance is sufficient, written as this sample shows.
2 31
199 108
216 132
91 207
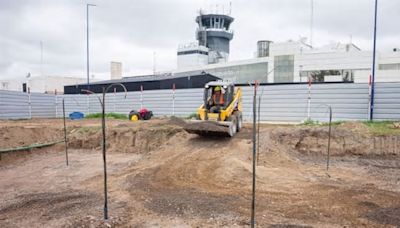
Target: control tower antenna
230 8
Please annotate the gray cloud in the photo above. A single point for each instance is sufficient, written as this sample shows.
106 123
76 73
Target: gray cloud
131 30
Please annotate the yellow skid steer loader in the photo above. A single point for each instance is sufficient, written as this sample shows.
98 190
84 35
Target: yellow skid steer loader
221 112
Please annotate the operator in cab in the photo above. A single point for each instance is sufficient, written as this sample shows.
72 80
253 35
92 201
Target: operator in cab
217 99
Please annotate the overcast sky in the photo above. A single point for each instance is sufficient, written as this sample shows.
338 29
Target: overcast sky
130 31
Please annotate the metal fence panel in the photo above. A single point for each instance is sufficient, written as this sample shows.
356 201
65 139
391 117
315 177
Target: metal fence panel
43 105
387 101
14 105
287 103
73 103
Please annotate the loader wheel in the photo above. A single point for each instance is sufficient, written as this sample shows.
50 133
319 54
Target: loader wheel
134 118
239 117
233 126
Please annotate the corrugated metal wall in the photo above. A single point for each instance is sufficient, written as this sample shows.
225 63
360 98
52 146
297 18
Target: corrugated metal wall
348 101
283 103
14 105
43 105
387 101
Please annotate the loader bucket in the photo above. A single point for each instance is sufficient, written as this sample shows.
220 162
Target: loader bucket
211 128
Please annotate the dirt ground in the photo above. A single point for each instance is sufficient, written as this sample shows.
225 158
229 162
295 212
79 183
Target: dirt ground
161 176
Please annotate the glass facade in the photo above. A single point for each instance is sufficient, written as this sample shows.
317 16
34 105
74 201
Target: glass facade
284 68
238 74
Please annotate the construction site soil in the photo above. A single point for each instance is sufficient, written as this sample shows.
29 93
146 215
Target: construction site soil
161 176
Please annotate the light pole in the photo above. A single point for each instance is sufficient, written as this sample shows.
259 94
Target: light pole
87 43
371 113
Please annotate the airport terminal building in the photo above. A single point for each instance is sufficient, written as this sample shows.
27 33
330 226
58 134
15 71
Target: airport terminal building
292 61
279 62
295 61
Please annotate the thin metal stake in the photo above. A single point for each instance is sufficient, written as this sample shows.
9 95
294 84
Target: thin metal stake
329 138
103 126
65 134
253 201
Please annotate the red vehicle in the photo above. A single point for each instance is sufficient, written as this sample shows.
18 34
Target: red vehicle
142 114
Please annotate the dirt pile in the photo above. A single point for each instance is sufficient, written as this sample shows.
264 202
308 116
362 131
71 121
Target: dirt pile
353 140
126 139
16 136
203 171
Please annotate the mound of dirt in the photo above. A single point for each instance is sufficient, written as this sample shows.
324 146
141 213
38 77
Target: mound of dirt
345 140
193 177
123 138
356 127
176 121
16 136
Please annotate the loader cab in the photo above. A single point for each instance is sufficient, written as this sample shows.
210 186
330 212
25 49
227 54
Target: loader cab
227 91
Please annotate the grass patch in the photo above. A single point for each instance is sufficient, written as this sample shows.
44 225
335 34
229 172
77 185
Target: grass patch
311 123
317 123
382 127
111 115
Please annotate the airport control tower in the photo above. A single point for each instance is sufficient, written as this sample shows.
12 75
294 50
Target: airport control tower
213 36
213 32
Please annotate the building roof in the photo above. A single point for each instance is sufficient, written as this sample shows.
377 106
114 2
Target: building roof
135 79
141 78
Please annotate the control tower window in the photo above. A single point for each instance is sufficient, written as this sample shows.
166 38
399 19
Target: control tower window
206 22
216 22
226 24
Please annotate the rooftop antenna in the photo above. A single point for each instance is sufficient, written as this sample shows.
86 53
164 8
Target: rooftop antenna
230 8
311 23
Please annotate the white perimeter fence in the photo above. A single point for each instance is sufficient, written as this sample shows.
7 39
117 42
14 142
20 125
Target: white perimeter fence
282 103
